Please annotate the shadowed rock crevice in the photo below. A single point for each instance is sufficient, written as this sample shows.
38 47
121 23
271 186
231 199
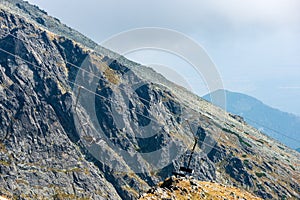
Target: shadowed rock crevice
236 170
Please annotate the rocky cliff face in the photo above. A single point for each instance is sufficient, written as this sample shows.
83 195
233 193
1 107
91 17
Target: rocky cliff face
122 132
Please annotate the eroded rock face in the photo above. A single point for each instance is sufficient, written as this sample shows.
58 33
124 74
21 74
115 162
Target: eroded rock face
134 133
38 156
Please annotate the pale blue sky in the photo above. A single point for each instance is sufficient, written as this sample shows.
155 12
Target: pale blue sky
254 44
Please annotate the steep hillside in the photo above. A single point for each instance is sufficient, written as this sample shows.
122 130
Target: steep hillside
279 125
78 124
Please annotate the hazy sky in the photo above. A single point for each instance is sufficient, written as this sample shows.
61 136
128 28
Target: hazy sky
255 44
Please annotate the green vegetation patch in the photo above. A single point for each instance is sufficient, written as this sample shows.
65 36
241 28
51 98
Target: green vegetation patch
239 137
260 174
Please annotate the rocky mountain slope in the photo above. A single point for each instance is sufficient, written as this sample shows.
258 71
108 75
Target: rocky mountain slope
188 188
122 132
279 125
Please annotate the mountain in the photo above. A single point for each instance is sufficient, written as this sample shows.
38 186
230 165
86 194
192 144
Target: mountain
79 123
279 125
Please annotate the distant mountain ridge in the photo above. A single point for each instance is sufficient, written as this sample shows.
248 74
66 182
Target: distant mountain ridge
279 125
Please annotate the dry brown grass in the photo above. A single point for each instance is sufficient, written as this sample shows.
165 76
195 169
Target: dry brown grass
187 189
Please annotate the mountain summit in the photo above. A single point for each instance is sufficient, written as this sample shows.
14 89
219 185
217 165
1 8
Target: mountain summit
76 123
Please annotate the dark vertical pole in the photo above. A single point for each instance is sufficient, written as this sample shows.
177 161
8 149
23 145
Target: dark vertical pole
190 158
193 149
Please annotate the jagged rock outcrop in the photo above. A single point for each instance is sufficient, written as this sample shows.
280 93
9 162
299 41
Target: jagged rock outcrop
236 170
134 136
